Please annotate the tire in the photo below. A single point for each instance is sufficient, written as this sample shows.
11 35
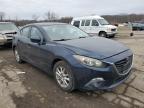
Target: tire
102 34
64 76
17 56
112 36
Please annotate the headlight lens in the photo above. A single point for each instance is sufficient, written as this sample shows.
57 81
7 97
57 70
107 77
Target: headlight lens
1 36
90 61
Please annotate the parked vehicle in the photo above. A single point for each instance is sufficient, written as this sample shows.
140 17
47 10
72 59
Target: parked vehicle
95 25
77 60
125 29
137 26
7 31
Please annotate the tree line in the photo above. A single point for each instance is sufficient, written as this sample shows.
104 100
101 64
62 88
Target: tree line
53 17
114 19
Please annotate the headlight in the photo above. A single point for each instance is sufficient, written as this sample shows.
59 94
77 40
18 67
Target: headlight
89 61
1 36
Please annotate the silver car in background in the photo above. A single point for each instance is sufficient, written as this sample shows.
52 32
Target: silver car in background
7 31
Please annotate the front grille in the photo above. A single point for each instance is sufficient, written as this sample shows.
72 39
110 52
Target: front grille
9 38
123 65
113 29
9 35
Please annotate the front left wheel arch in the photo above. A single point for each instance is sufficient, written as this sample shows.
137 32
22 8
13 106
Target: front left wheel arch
72 85
57 59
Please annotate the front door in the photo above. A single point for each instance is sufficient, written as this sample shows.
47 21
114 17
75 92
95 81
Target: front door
38 53
95 28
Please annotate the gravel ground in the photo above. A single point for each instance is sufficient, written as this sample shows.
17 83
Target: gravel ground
24 86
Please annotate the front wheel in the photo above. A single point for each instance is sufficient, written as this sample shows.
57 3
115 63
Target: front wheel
102 34
64 76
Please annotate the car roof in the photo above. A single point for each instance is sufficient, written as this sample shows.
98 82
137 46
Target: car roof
47 24
88 17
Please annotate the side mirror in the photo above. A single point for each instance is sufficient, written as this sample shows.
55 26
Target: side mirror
35 40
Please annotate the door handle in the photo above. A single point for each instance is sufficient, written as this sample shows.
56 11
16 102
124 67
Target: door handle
29 44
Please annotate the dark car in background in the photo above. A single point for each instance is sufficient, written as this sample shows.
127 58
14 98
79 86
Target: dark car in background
76 60
7 31
138 26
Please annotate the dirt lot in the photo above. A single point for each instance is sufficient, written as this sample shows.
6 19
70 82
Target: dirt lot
24 86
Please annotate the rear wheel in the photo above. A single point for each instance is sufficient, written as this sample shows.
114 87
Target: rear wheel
64 76
102 34
17 56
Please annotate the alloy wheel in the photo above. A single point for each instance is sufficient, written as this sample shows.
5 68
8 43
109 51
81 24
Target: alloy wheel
62 77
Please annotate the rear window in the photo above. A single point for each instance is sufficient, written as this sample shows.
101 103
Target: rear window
83 22
76 23
87 23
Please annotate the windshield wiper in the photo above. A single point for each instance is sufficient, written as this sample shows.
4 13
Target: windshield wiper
62 40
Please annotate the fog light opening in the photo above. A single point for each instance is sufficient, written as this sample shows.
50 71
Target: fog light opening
98 79
96 82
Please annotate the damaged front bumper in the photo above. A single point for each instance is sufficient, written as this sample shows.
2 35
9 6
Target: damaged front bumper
101 84
5 39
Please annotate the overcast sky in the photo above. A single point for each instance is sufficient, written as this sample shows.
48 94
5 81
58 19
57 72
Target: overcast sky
24 9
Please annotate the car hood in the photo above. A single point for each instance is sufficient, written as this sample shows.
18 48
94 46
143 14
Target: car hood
95 47
8 32
110 26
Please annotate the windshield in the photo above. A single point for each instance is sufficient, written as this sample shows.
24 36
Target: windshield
7 27
103 22
64 32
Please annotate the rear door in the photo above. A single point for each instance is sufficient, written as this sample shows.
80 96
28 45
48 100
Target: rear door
85 26
23 42
34 47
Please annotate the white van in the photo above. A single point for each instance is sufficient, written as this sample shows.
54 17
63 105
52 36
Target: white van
95 25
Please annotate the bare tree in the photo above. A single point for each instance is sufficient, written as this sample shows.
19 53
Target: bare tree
2 15
51 16
66 19
35 17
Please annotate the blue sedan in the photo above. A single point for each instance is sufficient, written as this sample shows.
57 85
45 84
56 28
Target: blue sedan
76 60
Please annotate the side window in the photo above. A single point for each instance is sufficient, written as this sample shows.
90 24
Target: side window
76 23
83 22
94 23
87 23
35 34
25 31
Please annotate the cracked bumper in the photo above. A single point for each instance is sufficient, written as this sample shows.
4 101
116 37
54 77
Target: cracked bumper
5 40
93 85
